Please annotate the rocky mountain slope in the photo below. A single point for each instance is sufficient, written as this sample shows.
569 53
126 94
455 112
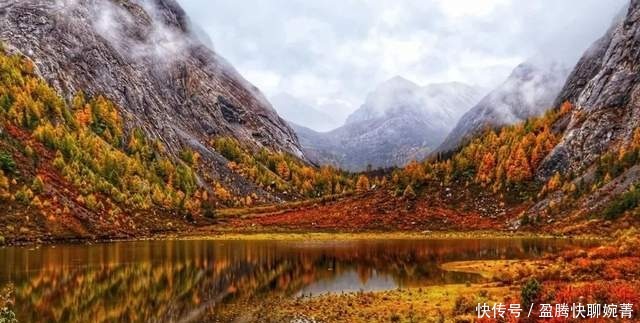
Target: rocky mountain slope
528 91
399 122
297 112
600 139
602 87
145 57
116 120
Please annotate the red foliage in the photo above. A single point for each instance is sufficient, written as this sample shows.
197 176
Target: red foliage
602 292
374 210
604 252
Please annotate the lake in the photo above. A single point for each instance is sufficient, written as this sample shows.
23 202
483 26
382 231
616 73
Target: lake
196 280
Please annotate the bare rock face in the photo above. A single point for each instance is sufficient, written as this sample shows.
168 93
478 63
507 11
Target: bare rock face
604 89
143 55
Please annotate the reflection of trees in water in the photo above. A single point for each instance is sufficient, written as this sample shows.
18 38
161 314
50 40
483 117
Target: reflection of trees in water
170 280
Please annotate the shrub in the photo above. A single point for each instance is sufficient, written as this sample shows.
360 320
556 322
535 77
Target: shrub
189 156
208 210
628 201
7 316
463 305
530 292
91 202
6 163
363 184
38 184
24 195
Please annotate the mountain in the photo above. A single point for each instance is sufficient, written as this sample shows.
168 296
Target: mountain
399 122
145 57
295 111
117 120
529 91
601 87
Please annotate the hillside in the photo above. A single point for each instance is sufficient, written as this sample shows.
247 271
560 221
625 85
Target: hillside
116 121
146 59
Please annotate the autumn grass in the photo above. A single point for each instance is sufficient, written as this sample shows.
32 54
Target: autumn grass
425 304
490 269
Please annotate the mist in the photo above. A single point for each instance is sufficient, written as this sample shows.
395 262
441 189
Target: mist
330 54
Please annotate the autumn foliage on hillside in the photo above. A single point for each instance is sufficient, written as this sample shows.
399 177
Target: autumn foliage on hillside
282 172
111 170
498 159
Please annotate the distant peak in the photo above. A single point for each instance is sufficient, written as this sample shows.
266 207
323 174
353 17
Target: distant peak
398 82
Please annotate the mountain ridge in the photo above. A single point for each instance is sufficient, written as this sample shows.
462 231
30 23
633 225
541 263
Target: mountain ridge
400 121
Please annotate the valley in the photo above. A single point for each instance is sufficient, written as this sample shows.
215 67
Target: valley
146 182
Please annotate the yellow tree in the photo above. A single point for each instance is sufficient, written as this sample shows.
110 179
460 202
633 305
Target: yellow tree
283 170
415 172
518 168
486 168
544 143
636 138
409 193
362 185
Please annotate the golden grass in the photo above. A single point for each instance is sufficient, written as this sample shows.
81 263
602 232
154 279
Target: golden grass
426 304
491 269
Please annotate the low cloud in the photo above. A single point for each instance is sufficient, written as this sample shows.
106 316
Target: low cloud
115 23
324 51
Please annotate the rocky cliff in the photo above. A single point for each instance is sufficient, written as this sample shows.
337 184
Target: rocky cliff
599 140
603 88
145 56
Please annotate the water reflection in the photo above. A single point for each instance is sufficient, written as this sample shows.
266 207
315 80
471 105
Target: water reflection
180 280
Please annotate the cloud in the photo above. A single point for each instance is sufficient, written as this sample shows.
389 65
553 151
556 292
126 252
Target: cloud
113 22
339 50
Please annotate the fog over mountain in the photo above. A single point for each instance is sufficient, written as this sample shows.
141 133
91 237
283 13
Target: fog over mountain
331 53
529 91
399 121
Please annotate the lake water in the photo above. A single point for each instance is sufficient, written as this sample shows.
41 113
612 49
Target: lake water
177 280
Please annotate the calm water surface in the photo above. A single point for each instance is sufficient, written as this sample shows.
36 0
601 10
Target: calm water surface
164 281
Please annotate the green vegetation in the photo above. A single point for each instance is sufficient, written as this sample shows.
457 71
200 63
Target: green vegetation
7 164
612 165
530 293
627 201
7 316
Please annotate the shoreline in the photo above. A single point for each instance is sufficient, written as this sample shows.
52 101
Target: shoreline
301 236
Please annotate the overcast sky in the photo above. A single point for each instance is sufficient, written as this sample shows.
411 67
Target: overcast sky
330 53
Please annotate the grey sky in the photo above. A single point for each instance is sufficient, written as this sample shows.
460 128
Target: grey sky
330 53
